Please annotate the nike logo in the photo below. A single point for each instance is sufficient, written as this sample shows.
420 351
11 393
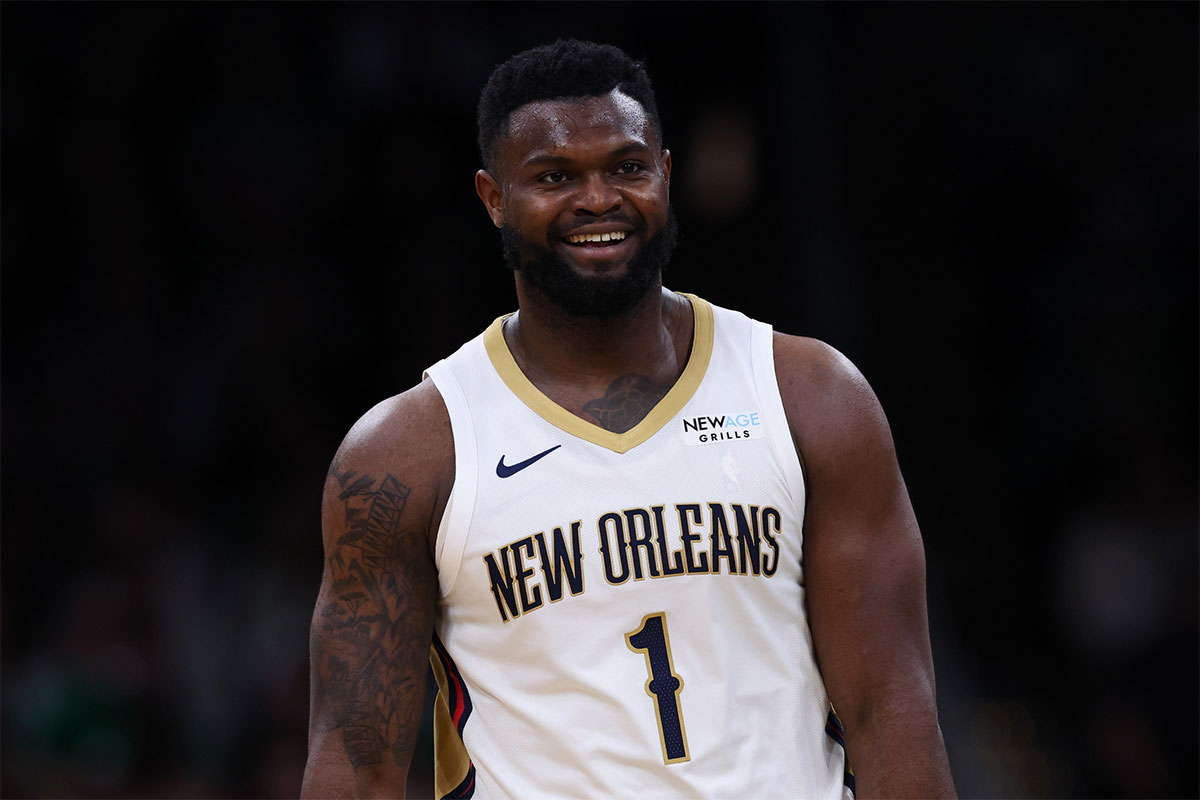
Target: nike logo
505 471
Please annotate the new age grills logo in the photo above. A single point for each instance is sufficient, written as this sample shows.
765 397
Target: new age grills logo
707 429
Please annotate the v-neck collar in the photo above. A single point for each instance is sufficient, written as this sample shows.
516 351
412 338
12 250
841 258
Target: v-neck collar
666 408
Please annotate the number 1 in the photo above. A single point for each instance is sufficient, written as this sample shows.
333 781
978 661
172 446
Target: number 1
664 685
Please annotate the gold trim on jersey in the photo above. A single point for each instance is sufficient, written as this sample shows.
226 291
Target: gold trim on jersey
451 762
671 404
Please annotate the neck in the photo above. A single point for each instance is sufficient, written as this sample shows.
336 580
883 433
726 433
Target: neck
562 353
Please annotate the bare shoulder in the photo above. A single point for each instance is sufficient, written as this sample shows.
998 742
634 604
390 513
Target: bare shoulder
392 426
828 401
405 444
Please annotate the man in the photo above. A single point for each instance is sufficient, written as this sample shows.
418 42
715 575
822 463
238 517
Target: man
647 544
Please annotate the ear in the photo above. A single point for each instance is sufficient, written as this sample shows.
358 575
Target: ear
666 166
489 191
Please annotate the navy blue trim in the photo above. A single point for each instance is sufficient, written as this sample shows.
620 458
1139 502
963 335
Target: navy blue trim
835 731
458 700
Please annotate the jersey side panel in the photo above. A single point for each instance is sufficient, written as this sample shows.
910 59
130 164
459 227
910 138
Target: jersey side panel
830 740
460 505
454 772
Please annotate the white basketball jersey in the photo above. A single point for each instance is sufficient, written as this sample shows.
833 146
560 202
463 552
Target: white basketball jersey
622 615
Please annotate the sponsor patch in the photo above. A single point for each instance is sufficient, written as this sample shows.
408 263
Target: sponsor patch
706 429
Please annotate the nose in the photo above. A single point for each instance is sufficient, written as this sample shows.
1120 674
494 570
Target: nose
596 196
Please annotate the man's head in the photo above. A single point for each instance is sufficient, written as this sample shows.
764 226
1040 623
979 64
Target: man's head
576 177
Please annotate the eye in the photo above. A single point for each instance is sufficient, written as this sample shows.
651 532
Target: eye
629 168
557 176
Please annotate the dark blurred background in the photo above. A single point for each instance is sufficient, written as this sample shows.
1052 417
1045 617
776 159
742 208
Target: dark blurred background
228 230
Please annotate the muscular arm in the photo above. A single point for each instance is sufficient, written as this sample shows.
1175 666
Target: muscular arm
864 567
373 621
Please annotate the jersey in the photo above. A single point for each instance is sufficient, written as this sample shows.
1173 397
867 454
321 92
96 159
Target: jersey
622 614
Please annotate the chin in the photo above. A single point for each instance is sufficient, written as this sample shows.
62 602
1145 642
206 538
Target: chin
591 295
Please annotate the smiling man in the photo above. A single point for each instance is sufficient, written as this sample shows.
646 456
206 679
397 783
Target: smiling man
647 544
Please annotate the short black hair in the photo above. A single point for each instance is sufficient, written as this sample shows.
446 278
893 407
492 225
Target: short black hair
567 68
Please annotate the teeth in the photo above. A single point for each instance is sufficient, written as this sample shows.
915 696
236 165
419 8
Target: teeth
580 238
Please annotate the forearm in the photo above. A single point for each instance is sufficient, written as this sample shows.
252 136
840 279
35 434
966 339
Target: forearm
368 687
329 774
899 752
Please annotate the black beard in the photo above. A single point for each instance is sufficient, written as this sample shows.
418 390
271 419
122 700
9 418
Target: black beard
597 297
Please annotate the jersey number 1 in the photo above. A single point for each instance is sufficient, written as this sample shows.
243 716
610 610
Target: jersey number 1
651 640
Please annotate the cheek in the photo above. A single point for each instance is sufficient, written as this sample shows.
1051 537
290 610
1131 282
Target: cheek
533 218
653 202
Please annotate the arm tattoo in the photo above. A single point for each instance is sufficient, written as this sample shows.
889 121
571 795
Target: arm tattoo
626 403
370 660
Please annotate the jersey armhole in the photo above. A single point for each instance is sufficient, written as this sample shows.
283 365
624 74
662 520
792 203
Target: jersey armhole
460 505
762 348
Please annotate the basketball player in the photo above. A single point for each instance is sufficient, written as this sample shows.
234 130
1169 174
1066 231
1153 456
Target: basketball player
648 545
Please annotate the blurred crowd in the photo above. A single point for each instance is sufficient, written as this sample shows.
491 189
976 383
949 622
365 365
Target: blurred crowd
230 229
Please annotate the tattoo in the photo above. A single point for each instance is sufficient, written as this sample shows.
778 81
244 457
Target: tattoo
367 637
626 403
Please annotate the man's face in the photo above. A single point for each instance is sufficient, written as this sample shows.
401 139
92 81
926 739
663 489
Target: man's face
579 188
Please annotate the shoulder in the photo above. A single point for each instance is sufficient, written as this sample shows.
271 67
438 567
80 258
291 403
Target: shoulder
404 442
829 403
812 371
394 427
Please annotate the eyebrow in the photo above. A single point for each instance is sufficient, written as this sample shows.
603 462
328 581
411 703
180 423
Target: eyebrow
549 159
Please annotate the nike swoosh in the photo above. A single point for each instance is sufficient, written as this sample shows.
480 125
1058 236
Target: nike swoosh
504 471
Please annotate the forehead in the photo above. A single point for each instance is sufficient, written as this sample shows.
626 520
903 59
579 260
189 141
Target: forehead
558 125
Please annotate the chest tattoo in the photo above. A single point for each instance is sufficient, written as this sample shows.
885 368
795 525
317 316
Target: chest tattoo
626 402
